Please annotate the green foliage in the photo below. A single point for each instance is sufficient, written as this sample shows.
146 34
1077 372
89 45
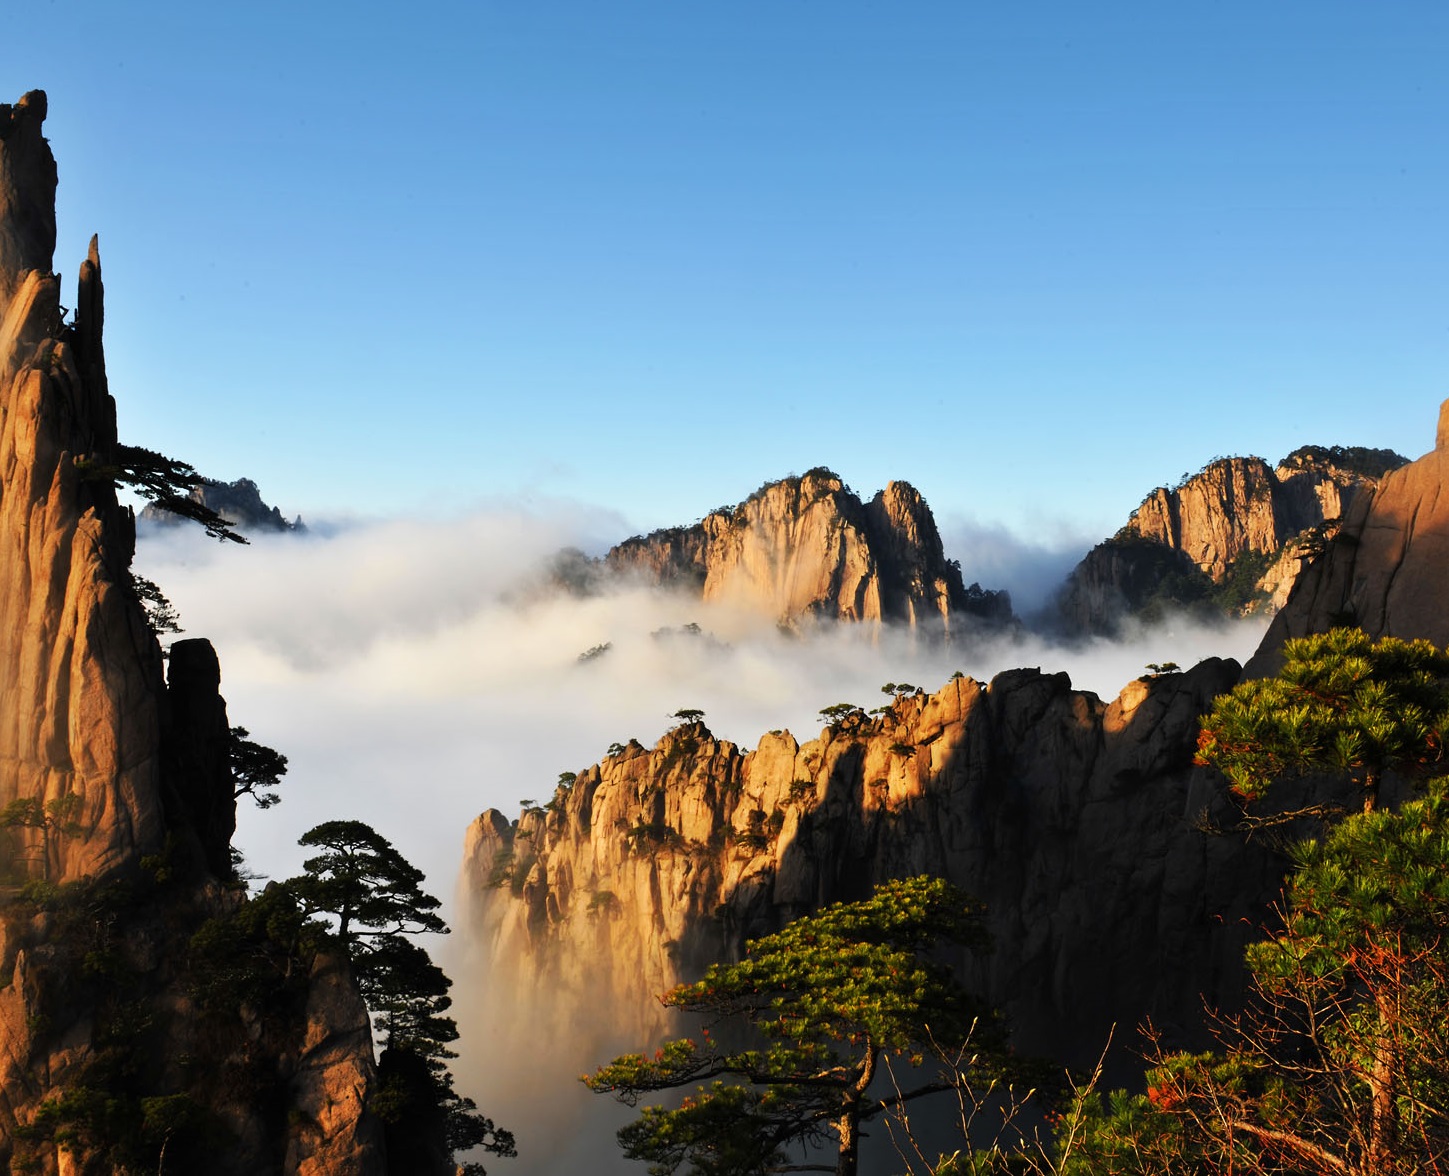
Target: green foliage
1239 587
255 955
826 998
127 1132
842 715
644 836
1341 703
1372 463
687 716
360 880
602 902
375 897
160 613
53 818
1340 1060
161 480
256 770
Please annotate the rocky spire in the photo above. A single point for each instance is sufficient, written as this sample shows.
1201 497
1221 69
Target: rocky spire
80 672
102 764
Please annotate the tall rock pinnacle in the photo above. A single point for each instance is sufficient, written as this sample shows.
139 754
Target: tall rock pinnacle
80 673
117 799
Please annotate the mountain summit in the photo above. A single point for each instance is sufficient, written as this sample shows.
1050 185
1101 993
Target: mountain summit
808 547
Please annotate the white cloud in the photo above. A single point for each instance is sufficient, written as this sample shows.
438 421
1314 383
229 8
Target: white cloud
997 557
417 672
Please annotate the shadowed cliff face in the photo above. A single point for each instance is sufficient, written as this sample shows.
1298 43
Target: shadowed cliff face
1386 569
1238 514
1067 816
122 786
808 547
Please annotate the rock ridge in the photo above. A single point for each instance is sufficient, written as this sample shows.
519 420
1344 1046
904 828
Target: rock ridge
1067 816
1386 567
1229 539
807 547
117 788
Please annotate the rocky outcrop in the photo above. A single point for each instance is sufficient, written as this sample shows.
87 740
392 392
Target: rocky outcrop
117 1036
1385 569
1068 816
239 503
807 547
1226 540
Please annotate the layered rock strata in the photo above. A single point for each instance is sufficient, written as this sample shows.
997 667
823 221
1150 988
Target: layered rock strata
1387 567
116 795
1230 538
807 547
1069 817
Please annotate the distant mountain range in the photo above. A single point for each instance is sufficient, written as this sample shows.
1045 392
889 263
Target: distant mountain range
239 503
1073 818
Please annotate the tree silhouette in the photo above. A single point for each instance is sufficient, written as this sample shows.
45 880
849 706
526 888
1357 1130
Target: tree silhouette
828 997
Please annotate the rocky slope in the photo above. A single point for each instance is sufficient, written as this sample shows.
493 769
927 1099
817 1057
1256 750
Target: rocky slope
117 804
807 547
1069 817
1228 539
1386 567
239 503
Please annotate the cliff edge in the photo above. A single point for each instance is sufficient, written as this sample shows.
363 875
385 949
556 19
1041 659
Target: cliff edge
1069 817
116 804
1385 569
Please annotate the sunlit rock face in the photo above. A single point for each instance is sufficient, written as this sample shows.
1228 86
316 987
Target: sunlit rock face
1386 571
1069 817
807 547
82 680
1237 515
119 767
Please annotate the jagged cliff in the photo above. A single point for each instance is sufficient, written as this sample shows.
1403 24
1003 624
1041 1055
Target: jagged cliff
1069 817
1227 539
117 802
1386 568
808 547
239 503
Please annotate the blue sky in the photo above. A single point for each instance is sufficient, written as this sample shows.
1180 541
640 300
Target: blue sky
1035 258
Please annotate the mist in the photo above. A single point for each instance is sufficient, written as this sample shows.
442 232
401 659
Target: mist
1031 570
418 671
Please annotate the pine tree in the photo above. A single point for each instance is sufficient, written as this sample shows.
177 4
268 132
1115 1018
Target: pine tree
828 998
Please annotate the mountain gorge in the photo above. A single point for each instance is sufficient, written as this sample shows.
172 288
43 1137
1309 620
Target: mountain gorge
132 1016
1078 821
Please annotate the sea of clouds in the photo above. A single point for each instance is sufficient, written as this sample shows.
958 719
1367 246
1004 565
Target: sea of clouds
418 671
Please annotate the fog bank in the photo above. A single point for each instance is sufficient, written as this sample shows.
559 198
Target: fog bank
418 671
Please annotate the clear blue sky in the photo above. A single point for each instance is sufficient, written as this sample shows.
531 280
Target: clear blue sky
1035 258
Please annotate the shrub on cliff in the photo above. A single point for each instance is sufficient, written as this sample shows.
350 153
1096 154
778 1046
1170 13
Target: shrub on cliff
373 900
829 1001
1340 1061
